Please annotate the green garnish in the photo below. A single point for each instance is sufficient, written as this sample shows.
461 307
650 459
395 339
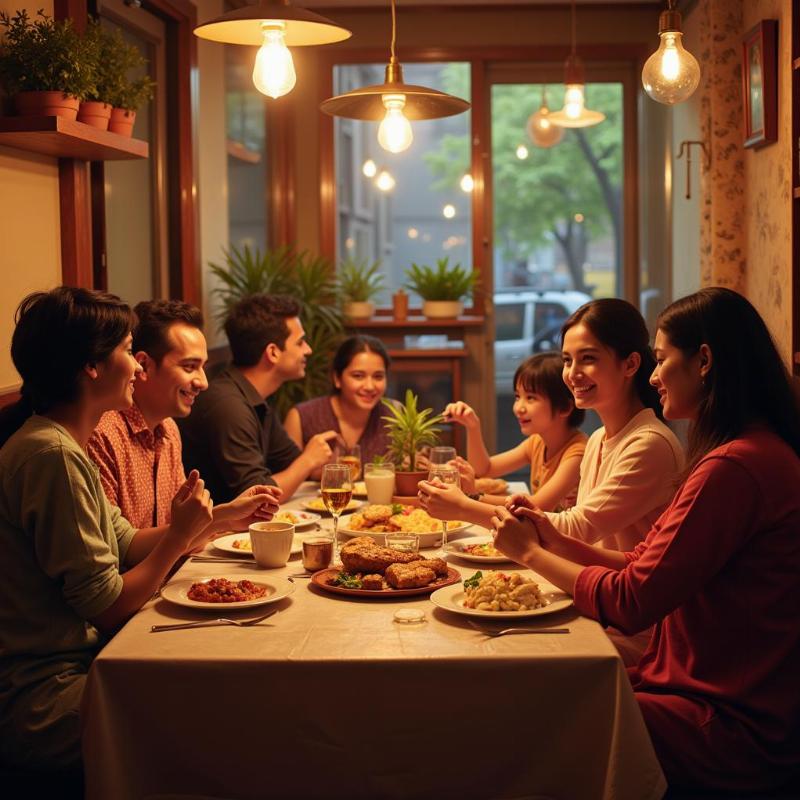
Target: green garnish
397 508
471 583
347 581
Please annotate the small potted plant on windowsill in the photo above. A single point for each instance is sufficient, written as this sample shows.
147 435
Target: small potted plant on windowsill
441 289
409 429
45 65
359 283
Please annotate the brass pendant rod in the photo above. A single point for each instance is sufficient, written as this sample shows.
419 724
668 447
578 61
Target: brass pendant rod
573 26
393 58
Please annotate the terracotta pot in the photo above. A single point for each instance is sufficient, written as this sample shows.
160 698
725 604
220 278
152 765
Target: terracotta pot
359 309
122 121
46 104
442 309
95 113
405 483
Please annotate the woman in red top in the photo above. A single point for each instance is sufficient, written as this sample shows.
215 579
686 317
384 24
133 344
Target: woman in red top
719 573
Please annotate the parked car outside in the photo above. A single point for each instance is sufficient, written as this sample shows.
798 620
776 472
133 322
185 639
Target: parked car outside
528 323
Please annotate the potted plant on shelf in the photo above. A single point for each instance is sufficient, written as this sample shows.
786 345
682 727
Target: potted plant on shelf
124 93
95 109
45 65
359 283
409 429
441 289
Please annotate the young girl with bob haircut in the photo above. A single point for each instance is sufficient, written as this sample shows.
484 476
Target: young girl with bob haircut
359 372
553 446
718 572
62 546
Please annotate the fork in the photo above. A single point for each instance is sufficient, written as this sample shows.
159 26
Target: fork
208 623
504 631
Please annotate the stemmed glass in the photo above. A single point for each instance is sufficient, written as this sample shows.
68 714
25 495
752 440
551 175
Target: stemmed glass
447 475
337 491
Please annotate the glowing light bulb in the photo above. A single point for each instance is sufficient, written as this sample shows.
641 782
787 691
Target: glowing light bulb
273 73
672 73
467 184
573 100
413 233
522 152
449 211
394 133
385 181
369 168
541 131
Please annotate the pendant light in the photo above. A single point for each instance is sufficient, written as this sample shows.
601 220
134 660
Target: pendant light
574 114
541 131
275 26
395 103
672 73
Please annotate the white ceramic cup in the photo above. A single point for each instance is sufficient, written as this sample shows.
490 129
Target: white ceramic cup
271 542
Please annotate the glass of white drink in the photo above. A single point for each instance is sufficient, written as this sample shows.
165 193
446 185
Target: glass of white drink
379 479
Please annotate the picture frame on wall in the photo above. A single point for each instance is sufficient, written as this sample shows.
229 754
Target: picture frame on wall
760 84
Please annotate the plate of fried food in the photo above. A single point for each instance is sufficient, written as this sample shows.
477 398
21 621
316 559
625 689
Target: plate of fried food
370 570
214 592
491 486
238 544
501 595
377 520
479 550
318 504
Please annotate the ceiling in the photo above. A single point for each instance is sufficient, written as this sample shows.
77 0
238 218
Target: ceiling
484 3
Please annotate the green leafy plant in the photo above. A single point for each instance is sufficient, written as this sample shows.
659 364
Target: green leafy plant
360 281
118 61
45 55
409 429
443 283
311 280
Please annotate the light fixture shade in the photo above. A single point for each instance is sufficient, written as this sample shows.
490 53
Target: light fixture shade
574 113
244 26
366 103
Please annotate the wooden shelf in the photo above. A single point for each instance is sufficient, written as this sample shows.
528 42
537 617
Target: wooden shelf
64 138
420 352
415 321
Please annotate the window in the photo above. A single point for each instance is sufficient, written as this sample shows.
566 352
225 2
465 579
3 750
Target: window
246 146
509 321
426 215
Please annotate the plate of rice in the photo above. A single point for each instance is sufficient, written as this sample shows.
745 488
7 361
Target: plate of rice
378 520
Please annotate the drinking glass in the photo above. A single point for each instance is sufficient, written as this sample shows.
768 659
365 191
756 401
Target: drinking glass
337 490
441 455
352 457
448 475
379 480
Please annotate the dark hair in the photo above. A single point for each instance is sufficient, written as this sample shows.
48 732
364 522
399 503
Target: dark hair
256 321
543 374
620 326
57 334
747 382
156 317
351 347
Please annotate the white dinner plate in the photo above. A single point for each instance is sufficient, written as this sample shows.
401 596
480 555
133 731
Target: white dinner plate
431 539
302 519
451 598
457 549
225 543
177 592
318 505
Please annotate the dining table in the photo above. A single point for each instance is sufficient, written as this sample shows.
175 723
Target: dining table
332 697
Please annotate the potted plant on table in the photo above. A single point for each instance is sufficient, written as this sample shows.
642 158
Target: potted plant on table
45 65
409 429
359 283
441 289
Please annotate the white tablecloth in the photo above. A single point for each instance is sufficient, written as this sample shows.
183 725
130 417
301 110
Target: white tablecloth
334 699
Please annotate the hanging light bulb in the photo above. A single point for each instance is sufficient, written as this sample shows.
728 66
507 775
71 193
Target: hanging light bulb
273 73
372 103
541 131
394 132
274 26
574 114
369 168
671 74
467 183
385 181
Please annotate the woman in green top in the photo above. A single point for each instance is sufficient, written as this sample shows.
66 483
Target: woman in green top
62 546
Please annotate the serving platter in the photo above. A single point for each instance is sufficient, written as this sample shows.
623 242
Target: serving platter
429 539
322 577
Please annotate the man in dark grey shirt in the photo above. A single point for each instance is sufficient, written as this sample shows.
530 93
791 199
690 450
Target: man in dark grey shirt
232 435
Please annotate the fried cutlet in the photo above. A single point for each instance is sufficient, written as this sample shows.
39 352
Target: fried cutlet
363 555
374 582
409 576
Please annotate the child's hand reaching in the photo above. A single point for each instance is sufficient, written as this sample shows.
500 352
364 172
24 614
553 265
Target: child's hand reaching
466 474
462 414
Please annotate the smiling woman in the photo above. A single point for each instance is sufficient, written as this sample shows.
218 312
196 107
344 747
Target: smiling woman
359 372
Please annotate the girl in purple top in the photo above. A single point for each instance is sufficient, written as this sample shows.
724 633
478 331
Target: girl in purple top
359 372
